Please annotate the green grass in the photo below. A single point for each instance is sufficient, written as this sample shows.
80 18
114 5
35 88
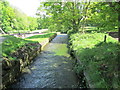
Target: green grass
37 39
11 43
99 59
40 38
90 29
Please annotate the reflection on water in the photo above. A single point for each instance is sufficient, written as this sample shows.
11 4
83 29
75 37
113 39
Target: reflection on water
51 69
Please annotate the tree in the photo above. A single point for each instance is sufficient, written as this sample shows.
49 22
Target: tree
66 15
105 15
12 19
116 8
33 25
7 16
71 16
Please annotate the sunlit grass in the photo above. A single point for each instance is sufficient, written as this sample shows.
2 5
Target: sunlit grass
90 29
11 43
99 58
41 36
37 39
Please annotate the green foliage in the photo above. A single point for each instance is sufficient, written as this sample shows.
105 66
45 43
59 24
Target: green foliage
62 16
11 19
11 43
33 25
100 59
72 17
44 22
103 15
79 68
7 16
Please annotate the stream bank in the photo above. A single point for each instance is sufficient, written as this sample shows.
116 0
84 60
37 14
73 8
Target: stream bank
53 68
24 56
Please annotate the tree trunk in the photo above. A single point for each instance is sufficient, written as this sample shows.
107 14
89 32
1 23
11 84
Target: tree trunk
119 23
119 27
74 20
2 31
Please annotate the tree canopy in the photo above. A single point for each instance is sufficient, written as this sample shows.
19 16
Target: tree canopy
69 17
74 16
12 19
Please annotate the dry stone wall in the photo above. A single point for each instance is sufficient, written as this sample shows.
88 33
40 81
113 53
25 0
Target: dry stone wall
11 69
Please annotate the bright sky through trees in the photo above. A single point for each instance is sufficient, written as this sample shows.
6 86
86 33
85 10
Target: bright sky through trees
27 6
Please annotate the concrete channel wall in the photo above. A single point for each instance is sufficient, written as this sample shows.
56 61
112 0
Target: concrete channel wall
11 69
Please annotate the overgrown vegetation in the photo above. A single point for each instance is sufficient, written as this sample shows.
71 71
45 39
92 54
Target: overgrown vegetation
99 59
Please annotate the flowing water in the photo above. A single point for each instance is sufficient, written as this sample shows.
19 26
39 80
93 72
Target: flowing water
53 68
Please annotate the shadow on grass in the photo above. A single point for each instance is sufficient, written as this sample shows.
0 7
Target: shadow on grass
102 64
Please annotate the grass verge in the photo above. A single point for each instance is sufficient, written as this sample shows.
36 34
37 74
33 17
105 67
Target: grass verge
99 59
40 38
11 43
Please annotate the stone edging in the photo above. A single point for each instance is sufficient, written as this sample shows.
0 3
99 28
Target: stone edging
87 78
11 69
